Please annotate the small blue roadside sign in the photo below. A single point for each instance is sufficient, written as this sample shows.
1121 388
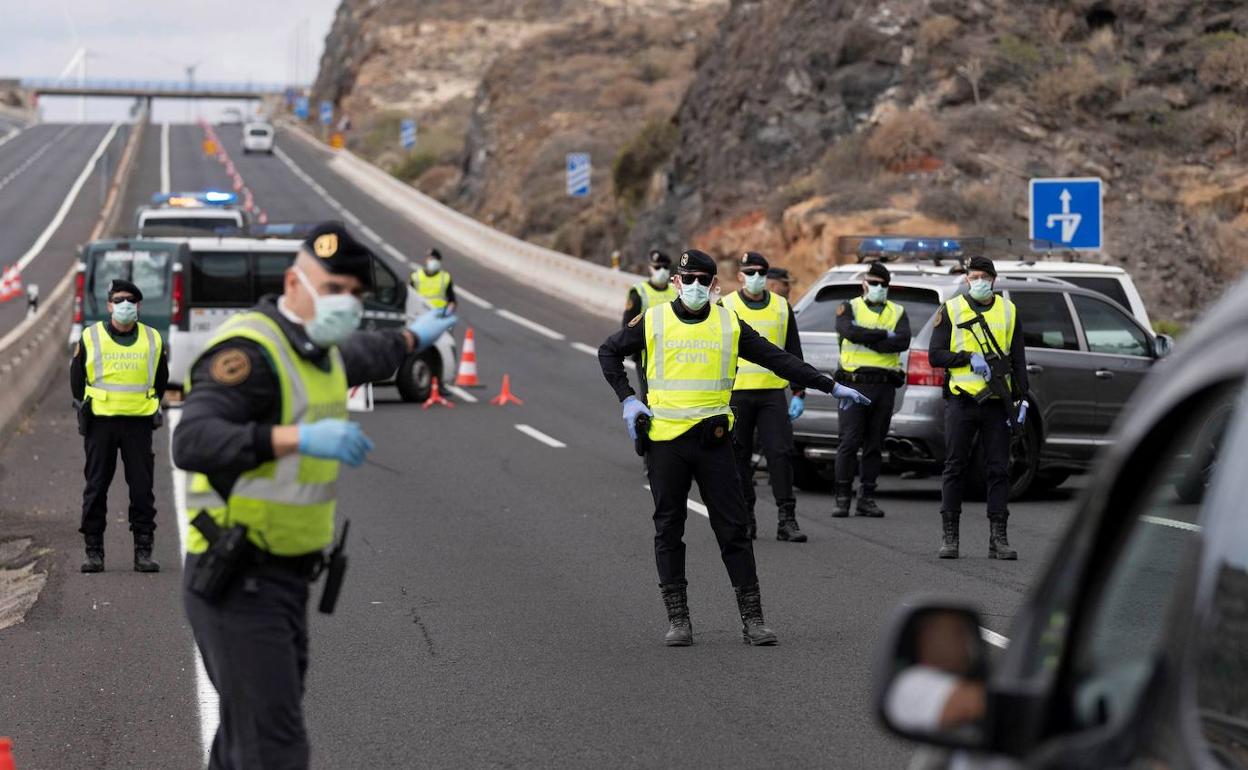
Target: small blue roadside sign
327 113
301 107
407 134
580 170
1067 211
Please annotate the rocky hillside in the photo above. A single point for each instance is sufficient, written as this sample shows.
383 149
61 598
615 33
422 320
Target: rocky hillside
782 124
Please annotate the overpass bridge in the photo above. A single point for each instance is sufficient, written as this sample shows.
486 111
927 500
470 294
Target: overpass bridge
151 89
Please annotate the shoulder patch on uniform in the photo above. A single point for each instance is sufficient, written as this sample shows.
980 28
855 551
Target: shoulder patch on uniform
840 310
636 320
230 367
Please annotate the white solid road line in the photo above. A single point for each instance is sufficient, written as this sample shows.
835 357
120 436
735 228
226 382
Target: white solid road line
480 302
10 136
993 638
205 693
545 331
694 505
460 393
593 351
542 437
46 235
392 251
1172 523
164 157
34 156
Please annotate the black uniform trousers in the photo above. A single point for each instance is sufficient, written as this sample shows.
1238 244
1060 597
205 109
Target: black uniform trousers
132 437
254 642
765 413
673 467
864 428
964 420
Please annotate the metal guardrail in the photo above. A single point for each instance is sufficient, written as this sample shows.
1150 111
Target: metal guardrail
155 87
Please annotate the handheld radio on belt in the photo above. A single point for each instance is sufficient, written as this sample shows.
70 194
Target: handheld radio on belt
335 570
641 444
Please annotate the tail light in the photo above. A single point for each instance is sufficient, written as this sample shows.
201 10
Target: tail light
920 371
176 307
80 282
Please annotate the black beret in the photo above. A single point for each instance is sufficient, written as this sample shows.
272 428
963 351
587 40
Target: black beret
778 274
753 259
878 270
659 259
694 261
434 253
339 252
121 284
982 264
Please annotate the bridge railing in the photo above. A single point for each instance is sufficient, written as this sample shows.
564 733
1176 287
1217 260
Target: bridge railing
158 87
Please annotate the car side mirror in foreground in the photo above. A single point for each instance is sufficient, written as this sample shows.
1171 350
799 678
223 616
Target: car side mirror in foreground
1162 345
932 683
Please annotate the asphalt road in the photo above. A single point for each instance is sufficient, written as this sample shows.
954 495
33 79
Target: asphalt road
38 169
502 607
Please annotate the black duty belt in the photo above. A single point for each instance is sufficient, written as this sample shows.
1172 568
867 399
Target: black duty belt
306 565
869 377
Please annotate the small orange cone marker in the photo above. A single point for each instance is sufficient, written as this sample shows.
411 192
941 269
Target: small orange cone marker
505 396
435 397
6 754
467 377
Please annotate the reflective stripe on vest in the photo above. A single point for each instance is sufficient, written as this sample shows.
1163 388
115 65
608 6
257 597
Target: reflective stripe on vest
772 323
287 503
1000 318
117 387
855 356
432 287
651 296
690 368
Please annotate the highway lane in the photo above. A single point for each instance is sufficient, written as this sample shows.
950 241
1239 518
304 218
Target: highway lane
43 164
502 606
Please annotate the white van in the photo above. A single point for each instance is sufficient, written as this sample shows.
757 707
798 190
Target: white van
258 137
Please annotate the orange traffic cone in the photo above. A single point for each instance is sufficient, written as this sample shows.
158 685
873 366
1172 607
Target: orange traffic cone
467 377
6 754
435 397
505 395
10 284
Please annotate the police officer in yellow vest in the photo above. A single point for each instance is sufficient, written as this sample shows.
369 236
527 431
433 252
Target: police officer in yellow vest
434 284
117 378
962 351
758 397
657 290
692 352
874 332
264 431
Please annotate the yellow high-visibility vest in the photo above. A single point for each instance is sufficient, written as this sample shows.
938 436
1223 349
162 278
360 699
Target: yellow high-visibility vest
432 287
121 380
855 356
1001 320
690 368
772 323
651 296
288 503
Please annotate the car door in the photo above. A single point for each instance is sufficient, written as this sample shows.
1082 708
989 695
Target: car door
1121 352
1062 378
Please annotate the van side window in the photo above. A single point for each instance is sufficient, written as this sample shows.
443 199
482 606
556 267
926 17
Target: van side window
1045 319
271 273
1109 330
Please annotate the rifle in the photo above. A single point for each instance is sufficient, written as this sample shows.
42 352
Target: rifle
998 365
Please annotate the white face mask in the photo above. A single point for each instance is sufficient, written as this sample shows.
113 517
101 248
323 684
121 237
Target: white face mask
433 265
876 293
659 276
980 290
694 295
125 312
337 315
755 284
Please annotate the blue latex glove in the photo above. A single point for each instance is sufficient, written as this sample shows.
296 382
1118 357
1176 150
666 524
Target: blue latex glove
847 397
431 325
796 407
331 439
891 335
633 408
980 366
1022 414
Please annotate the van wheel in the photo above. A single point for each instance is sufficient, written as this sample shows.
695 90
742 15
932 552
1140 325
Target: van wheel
1047 481
807 475
415 376
1024 466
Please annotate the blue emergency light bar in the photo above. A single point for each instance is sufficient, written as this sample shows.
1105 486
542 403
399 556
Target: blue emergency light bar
193 199
894 248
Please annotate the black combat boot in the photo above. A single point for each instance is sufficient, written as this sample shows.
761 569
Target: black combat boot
675 598
949 543
844 496
750 603
95 554
788 529
143 553
867 505
998 544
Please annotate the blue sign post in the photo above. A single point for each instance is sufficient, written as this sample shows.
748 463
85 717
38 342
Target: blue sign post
580 171
407 134
1067 211
301 107
327 113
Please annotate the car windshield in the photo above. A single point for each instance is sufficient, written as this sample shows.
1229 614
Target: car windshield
820 315
189 227
149 270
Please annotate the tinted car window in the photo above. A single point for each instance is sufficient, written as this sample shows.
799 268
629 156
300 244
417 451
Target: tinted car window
820 315
1109 330
1045 319
271 272
385 285
221 279
1110 287
258 132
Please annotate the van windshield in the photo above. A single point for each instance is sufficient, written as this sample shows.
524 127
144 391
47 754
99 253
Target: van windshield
149 270
820 315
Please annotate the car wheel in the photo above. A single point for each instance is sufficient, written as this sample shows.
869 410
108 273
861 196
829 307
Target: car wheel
415 377
807 475
1047 481
1024 466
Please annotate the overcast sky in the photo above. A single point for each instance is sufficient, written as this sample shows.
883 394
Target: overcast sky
229 40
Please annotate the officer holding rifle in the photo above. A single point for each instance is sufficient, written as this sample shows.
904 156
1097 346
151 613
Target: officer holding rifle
977 339
264 431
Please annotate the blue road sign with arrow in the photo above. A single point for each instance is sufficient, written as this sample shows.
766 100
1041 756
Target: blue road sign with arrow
1067 211
327 113
580 172
301 107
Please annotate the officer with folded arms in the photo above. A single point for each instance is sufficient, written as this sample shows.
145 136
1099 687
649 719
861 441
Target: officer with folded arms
264 431
433 283
692 351
874 332
117 378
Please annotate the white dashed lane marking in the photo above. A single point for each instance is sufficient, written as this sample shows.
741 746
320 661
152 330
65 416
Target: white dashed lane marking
534 433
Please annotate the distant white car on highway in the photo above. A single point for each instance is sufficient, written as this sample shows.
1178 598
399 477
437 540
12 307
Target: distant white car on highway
258 137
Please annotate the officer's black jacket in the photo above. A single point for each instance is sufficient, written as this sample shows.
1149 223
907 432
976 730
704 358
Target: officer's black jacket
226 429
78 366
942 357
751 346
